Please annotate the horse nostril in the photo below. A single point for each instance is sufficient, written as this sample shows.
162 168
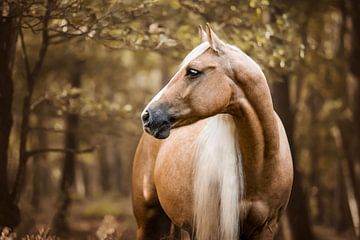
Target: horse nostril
145 116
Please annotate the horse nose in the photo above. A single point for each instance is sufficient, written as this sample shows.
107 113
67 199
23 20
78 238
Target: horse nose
145 117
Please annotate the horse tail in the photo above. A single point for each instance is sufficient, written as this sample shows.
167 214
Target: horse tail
218 181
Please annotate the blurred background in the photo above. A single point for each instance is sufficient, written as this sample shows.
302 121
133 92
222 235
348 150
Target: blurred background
75 75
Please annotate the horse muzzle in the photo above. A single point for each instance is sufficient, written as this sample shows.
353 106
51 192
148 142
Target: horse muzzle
156 122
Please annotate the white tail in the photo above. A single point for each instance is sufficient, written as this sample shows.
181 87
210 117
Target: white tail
218 181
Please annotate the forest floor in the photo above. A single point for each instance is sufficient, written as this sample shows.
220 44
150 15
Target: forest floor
111 215
326 233
105 216
88 219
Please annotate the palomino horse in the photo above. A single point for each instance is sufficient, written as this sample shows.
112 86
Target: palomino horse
224 171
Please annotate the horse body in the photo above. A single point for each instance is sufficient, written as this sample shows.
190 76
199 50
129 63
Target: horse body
225 171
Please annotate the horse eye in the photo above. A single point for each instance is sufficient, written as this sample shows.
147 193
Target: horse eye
193 73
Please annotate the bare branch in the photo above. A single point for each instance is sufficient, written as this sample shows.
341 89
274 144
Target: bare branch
195 9
31 78
59 150
38 102
44 44
25 55
47 129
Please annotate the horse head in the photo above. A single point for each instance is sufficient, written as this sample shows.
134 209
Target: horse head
208 82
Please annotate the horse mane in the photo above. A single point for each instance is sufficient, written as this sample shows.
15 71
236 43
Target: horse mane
196 52
218 180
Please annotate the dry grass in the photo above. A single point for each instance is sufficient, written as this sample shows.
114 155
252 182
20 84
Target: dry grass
40 234
108 230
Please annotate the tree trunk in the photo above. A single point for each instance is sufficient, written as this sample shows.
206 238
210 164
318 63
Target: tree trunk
104 168
354 160
298 208
83 180
354 9
314 103
60 224
39 179
121 186
9 212
32 76
342 136
342 211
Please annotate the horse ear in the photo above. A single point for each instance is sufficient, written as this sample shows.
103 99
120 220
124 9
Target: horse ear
202 34
213 39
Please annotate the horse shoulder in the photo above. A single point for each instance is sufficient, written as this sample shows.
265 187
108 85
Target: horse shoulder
143 187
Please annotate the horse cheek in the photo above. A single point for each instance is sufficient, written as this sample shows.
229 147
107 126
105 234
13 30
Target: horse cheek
219 99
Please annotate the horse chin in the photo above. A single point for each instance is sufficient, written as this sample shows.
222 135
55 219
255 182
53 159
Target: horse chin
161 133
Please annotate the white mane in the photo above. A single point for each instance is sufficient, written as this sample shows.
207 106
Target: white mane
218 181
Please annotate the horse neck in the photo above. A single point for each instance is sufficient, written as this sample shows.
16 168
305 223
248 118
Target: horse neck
255 103
257 127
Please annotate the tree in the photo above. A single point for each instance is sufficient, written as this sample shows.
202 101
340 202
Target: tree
9 212
298 215
57 22
60 224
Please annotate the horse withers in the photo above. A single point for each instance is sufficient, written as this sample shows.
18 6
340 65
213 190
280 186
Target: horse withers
215 161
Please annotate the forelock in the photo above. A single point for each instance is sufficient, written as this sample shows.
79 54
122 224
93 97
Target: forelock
196 52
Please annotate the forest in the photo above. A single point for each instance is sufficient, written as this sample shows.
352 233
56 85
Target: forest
75 76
